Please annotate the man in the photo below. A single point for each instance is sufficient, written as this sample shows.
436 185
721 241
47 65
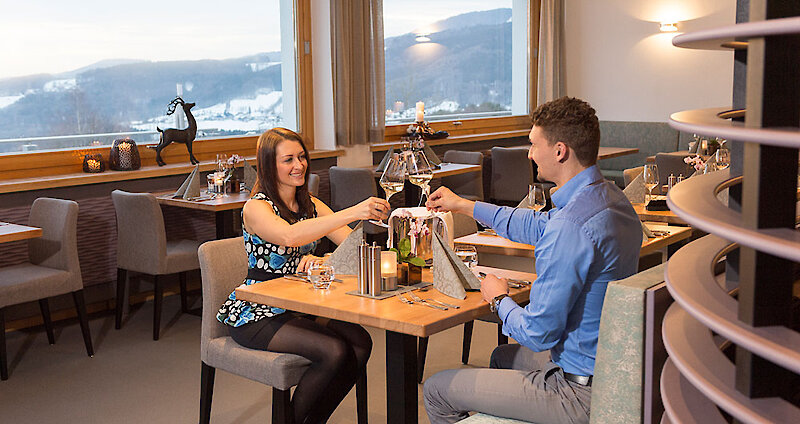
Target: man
590 237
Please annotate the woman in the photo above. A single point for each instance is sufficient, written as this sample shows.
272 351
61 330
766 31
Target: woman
281 224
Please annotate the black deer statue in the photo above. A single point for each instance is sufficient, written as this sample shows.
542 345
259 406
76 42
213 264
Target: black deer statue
185 136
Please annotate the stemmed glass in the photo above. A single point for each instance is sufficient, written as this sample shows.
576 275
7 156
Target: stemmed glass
392 181
420 173
535 199
723 159
650 176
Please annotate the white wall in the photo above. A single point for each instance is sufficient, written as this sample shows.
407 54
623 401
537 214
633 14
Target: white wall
619 61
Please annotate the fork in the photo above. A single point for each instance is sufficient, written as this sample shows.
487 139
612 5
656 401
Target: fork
425 302
403 299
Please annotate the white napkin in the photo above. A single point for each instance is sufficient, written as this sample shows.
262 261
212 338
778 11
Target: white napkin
635 191
250 176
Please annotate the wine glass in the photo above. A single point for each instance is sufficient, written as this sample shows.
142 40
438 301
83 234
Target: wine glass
392 180
535 199
420 172
222 162
650 176
468 255
723 159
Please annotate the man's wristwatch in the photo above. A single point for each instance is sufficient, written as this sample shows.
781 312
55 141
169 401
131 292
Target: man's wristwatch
496 302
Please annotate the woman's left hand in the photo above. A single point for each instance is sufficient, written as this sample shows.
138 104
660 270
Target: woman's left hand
305 263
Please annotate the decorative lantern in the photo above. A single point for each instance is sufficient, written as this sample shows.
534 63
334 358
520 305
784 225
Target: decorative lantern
93 163
124 155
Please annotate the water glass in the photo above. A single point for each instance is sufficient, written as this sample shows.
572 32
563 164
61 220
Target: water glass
321 274
468 255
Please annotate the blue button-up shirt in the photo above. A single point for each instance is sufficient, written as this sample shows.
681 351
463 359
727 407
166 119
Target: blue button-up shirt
590 237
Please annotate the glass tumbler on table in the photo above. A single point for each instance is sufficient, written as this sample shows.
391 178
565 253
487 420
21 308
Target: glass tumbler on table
468 255
392 181
650 176
321 274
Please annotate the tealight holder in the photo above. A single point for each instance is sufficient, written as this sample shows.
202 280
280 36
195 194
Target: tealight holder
93 163
124 155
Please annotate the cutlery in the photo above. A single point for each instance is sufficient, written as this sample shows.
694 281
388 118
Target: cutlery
443 304
411 302
425 301
514 284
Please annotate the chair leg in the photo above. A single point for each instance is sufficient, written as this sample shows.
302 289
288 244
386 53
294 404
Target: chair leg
282 411
184 298
501 338
467 344
80 306
48 323
3 357
207 374
122 281
361 398
422 352
158 297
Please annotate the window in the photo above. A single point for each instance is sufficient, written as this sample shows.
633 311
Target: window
462 58
87 72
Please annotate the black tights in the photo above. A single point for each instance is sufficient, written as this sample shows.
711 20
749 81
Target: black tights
338 352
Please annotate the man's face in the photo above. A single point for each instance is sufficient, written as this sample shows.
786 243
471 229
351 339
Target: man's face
543 153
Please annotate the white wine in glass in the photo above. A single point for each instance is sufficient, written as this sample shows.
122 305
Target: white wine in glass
536 199
392 181
420 172
650 176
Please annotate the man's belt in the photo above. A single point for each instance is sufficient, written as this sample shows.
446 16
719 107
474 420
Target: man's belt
583 380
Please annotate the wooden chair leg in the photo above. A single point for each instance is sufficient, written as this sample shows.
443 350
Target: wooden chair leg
80 306
207 374
48 323
122 281
422 352
3 356
361 398
501 338
282 412
467 343
184 297
158 297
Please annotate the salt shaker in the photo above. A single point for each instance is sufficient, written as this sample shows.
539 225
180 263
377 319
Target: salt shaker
363 268
671 181
680 178
374 270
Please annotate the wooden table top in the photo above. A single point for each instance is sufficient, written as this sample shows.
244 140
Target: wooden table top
604 152
447 169
494 244
668 217
220 203
14 232
389 314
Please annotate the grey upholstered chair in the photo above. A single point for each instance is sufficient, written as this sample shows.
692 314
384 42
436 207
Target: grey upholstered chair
512 173
52 269
630 174
142 247
313 184
672 164
349 186
223 264
469 185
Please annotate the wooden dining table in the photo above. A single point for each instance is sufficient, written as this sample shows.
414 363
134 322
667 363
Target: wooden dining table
604 152
403 323
224 207
14 232
667 216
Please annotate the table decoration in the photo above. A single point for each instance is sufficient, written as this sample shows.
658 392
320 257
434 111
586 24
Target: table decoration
411 229
93 163
191 186
250 176
173 135
124 155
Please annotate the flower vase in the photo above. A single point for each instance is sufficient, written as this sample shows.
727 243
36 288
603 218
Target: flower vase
409 274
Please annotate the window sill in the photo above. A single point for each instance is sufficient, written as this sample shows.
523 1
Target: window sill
456 139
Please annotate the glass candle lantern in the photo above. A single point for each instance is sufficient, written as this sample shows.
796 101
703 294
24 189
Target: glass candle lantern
93 163
389 270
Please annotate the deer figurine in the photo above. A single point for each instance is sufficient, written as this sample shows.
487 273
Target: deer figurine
185 136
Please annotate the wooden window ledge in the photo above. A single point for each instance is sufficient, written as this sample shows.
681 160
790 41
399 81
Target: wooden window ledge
378 147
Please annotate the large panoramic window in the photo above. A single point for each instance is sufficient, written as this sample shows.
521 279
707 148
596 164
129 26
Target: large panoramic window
86 72
462 58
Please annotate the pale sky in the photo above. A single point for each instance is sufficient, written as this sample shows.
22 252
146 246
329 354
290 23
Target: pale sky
47 36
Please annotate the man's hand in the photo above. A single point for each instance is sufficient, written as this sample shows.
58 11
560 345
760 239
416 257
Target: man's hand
491 287
444 200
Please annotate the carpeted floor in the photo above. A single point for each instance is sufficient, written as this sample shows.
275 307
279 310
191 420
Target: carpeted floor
133 379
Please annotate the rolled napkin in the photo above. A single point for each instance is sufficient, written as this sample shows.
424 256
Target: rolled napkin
450 275
385 160
345 258
635 191
191 185
250 176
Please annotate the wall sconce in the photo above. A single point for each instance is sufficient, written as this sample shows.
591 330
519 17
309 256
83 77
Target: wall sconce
668 26
422 38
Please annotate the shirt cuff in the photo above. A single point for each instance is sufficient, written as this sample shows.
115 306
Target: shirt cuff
484 213
505 307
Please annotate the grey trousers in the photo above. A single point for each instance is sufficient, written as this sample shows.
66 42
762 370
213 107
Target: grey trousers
521 384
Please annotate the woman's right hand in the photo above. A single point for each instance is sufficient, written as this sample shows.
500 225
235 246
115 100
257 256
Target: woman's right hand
372 208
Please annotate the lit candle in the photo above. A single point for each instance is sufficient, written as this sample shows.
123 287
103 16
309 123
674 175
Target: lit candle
94 164
388 264
125 147
420 111
219 182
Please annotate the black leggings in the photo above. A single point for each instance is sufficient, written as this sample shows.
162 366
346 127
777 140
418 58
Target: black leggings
338 352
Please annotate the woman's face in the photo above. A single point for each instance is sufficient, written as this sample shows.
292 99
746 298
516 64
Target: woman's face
290 163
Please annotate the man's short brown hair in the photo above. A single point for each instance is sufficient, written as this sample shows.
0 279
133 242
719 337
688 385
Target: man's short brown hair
573 122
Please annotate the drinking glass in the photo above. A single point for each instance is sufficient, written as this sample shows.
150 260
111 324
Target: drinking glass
650 176
420 172
392 181
535 199
222 162
468 255
321 274
723 158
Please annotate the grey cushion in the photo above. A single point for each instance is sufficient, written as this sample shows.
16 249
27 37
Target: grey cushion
469 185
350 186
182 256
489 419
512 173
649 137
27 282
313 184
223 265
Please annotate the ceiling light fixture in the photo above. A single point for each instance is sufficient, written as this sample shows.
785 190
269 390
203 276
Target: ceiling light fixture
669 26
423 38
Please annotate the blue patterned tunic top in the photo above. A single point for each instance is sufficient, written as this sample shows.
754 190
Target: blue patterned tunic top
264 258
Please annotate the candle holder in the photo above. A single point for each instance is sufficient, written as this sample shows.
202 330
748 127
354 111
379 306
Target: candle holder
424 131
124 155
93 163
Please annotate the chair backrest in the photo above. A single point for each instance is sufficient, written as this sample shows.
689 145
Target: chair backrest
141 237
512 173
223 267
470 184
672 164
349 186
313 184
58 246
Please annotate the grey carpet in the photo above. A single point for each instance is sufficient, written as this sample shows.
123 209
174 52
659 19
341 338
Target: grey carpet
133 379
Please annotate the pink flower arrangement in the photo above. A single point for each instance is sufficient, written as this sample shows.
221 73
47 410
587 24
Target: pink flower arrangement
418 229
696 161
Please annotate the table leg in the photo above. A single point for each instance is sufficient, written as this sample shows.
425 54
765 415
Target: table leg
225 224
401 378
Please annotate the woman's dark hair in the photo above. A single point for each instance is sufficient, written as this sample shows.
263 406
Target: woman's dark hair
267 181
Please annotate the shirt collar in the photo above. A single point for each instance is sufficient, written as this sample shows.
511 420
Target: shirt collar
584 178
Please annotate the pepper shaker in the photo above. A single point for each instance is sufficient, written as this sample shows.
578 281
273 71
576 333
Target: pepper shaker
374 269
363 268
